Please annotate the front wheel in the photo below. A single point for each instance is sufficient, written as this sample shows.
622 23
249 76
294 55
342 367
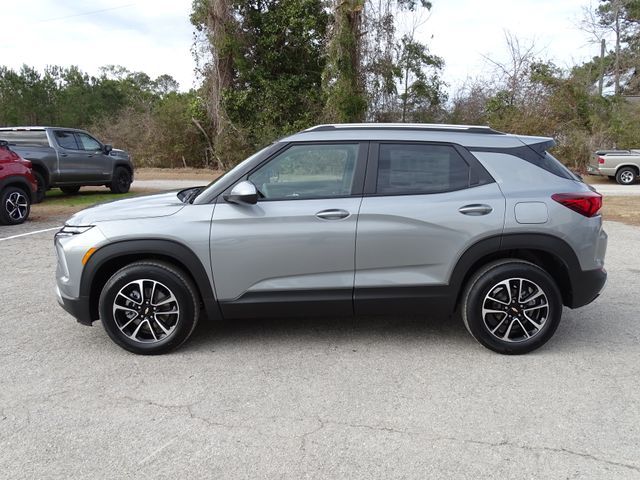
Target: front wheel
15 206
512 306
121 181
149 307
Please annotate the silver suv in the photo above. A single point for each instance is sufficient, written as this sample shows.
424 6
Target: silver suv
347 220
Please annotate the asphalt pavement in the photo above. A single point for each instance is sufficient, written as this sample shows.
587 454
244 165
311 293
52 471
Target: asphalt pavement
317 398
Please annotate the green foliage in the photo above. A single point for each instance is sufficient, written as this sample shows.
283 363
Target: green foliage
128 109
346 101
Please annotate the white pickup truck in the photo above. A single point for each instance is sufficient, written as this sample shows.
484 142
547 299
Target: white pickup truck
623 165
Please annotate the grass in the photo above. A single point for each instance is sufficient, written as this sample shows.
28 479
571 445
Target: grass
59 203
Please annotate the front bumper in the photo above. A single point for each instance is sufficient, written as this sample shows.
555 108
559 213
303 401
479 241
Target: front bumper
77 307
587 287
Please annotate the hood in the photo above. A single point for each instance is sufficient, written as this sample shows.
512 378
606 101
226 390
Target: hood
116 152
148 206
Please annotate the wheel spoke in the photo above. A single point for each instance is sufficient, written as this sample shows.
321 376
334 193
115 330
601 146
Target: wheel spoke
166 332
129 298
134 335
493 299
500 324
530 320
523 329
127 309
171 298
537 307
506 334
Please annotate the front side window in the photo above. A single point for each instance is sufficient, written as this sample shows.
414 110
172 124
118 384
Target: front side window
308 171
405 169
66 140
88 143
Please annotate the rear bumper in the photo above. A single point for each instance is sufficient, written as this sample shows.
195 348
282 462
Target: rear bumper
587 287
77 307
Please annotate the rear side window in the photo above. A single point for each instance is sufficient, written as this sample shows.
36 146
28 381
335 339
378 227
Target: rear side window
405 169
66 140
31 138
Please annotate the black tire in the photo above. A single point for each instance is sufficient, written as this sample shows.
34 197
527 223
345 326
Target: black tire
487 281
121 181
70 190
626 176
42 187
15 206
170 329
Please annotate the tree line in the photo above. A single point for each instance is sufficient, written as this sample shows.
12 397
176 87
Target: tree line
269 68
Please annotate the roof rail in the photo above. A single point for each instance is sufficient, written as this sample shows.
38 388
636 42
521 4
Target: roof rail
433 127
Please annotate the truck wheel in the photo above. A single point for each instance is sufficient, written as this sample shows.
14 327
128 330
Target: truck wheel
511 306
149 307
70 190
15 206
626 176
121 180
42 186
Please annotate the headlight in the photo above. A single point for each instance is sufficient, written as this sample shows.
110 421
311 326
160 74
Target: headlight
69 230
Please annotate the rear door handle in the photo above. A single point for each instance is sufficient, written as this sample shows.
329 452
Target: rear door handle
332 214
475 209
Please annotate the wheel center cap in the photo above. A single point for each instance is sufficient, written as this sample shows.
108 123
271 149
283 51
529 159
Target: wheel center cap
514 309
146 311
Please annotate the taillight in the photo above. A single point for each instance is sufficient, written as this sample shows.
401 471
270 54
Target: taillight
600 160
585 203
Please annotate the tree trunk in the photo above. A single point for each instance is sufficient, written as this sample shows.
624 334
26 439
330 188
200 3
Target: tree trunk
601 76
616 71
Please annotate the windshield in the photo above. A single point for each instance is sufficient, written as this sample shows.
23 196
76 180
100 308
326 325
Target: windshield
234 169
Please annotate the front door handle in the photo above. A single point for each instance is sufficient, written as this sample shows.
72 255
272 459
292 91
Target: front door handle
475 209
332 214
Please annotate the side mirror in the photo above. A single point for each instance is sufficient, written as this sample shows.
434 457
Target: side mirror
107 149
243 193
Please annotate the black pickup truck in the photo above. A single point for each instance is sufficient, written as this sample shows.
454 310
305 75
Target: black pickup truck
69 158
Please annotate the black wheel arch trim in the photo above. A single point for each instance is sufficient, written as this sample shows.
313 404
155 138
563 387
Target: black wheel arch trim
583 286
177 252
17 180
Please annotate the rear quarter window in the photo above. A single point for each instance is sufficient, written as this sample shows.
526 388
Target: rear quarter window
405 169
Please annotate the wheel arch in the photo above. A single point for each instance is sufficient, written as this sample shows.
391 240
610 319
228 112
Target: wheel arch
109 259
17 181
634 166
127 166
551 253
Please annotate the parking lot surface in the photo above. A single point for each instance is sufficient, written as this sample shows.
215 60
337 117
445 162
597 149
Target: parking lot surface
316 398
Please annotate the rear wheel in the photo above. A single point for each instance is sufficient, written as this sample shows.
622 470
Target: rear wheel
71 190
15 206
121 181
41 187
512 306
149 307
626 176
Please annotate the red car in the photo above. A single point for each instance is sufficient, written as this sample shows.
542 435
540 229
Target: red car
17 186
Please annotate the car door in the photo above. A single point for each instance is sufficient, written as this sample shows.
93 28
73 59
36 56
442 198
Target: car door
98 166
70 157
292 253
423 206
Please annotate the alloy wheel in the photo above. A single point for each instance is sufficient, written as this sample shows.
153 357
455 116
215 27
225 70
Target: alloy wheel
627 177
146 311
515 310
17 206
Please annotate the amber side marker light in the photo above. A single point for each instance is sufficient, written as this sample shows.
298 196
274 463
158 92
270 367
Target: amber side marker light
87 255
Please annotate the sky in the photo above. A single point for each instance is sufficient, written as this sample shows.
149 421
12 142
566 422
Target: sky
155 36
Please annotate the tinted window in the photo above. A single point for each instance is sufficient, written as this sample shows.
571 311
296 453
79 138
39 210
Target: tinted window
66 140
88 143
416 169
36 138
308 171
